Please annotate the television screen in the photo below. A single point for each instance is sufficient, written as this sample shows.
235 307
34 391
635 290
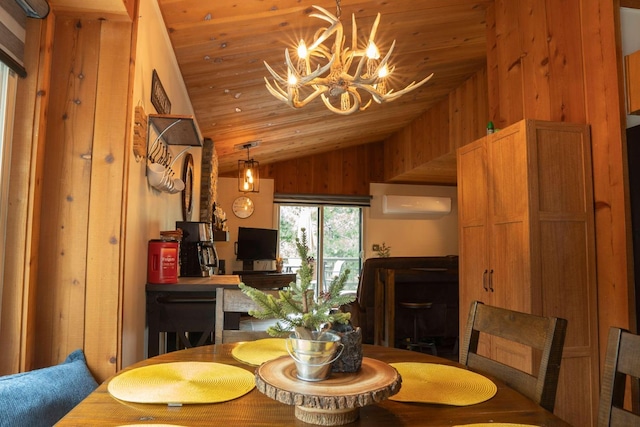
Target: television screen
257 244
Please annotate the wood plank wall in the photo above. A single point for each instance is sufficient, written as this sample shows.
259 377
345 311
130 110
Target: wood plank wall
415 152
347 171
71 297
561 61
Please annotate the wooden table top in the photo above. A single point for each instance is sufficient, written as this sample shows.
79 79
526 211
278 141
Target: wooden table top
256 409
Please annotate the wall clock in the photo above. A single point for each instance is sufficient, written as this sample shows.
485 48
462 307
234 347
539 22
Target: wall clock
187 193
243 207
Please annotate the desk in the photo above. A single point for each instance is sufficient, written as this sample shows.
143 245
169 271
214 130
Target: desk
189 305
254 408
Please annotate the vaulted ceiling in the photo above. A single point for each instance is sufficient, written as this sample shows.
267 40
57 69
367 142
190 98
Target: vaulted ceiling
221 47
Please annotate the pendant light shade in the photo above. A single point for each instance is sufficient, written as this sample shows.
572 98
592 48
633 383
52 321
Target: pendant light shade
248 175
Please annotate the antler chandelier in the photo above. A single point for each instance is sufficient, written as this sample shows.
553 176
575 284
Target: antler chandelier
332 79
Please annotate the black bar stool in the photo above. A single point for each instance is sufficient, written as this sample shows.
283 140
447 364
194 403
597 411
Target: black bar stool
419 308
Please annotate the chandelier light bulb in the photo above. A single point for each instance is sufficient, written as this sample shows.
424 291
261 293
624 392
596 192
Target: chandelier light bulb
302 50
372 51
292 80
384 72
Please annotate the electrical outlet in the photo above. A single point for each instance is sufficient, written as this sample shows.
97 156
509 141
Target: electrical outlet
375 247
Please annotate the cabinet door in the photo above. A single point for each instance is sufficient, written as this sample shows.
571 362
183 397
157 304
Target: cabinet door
472 216
509 240
508 220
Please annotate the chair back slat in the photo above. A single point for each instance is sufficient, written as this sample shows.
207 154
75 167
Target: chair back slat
622 362
513 326
233 300
629 356
544 334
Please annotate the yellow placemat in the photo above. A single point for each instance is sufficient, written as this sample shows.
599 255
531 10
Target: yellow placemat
495 425
182 382
259 351
448 385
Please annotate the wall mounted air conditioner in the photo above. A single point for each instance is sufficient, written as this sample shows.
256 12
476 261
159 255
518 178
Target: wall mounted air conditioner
392 204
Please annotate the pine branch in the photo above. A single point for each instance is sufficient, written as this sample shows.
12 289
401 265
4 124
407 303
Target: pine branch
296 307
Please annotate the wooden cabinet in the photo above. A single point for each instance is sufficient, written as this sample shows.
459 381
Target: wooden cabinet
525 204
632 74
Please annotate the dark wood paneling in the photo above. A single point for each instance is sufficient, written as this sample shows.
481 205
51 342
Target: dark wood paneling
346 171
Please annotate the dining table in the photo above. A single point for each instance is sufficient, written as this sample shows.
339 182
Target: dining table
506 407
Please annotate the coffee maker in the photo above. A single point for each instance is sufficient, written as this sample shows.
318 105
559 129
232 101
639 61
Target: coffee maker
198 256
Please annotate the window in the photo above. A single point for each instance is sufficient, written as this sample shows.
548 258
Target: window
334 237
8 81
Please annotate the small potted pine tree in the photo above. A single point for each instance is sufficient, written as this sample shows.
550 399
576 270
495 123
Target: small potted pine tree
306 317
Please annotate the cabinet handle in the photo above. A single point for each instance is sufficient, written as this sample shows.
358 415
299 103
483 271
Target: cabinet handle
491 280
484 280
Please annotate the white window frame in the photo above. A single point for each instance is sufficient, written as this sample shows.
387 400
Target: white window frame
319 272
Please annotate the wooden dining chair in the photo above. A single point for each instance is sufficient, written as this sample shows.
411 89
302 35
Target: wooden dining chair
233 300
545 334
622 361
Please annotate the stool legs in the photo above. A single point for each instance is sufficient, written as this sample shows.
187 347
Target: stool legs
416 344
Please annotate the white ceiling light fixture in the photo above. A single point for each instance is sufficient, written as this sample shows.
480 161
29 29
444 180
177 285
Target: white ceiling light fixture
333 79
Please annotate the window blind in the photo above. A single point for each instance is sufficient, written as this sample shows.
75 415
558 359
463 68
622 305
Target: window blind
322 199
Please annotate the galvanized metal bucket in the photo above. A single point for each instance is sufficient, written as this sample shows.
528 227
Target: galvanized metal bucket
313 358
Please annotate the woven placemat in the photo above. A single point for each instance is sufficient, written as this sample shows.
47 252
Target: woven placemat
182 383
496 425
443 384
257 352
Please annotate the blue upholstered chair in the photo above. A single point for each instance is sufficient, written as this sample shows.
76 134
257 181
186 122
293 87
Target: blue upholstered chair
42 396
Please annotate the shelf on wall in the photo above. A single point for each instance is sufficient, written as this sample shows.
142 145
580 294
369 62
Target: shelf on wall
176 129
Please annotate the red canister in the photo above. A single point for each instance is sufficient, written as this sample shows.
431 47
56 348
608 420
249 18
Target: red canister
162 262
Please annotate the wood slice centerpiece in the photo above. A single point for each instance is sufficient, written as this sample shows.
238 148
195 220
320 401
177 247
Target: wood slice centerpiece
334 401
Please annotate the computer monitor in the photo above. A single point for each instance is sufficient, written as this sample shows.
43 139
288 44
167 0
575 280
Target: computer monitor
256 244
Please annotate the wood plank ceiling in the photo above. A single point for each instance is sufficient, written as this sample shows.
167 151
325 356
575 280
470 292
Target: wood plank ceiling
221 45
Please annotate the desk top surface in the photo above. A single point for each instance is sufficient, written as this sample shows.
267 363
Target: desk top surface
195 284
225 279
254 408
199 284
